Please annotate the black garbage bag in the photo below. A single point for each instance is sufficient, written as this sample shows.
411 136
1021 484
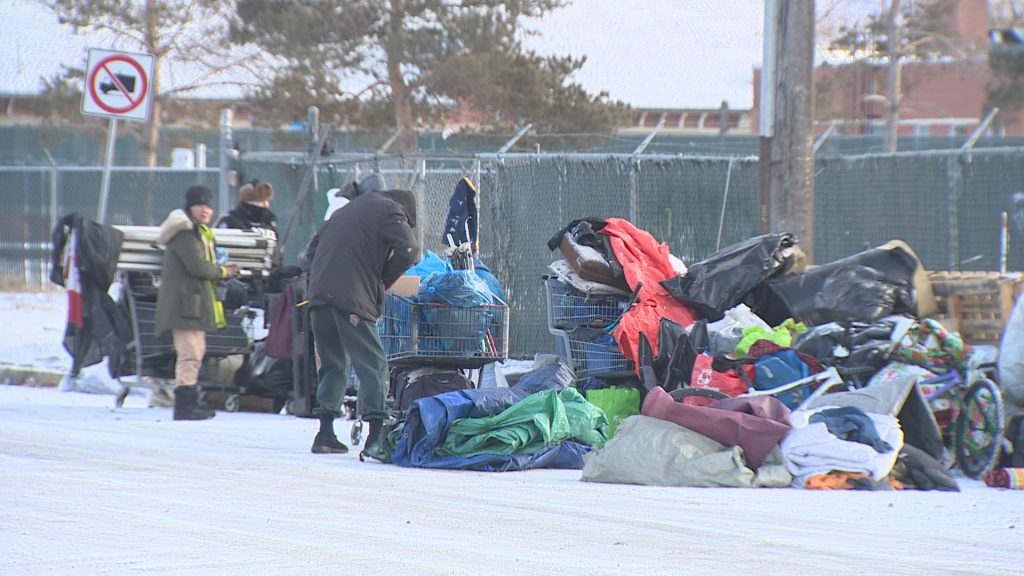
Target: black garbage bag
723 280
864 361
857 350
796 295
860 293
821 341
699 338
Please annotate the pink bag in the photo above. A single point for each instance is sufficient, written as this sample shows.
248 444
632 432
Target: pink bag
730 382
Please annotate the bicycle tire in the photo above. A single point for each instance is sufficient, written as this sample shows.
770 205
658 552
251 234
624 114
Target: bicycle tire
680 393
979 429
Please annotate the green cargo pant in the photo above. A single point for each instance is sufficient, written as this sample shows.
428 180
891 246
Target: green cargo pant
345 340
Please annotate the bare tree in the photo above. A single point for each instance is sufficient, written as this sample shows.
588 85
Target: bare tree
907 30
1006 13
189 34
1005 90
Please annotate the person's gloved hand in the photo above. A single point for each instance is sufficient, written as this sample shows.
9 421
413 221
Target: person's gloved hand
917 470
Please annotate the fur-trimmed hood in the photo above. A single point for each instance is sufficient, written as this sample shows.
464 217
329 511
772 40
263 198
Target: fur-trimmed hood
177 221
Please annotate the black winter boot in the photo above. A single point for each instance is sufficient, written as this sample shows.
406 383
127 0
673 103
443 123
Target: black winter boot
186 405
325 442
374 447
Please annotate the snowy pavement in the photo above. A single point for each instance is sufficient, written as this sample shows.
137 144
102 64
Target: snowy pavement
89 489
31 330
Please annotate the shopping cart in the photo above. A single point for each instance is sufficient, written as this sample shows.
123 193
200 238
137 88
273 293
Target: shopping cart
581 325
151 357
442 335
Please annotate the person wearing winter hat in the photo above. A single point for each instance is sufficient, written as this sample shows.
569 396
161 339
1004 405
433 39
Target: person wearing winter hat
337 198
252 213
362 251
187 304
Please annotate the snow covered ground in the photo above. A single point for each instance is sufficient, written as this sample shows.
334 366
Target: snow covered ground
89 489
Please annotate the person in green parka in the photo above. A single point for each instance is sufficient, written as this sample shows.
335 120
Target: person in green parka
187 304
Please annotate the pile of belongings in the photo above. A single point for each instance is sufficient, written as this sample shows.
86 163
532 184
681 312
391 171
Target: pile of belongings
539 422
753 369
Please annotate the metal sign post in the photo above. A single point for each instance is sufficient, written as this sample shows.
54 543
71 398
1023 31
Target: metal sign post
105 185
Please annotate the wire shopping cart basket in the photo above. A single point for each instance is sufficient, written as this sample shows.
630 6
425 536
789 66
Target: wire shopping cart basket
443 335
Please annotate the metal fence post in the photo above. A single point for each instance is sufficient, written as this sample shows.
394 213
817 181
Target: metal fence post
423 219
479 204
224 198
954 168
313 117
634 187
725 200
200 155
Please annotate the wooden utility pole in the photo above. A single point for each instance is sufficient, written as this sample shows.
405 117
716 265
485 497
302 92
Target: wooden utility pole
787 121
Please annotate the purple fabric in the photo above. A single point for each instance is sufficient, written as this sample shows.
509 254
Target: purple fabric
279 340
754 423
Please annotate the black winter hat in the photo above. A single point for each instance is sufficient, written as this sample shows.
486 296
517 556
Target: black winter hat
198 195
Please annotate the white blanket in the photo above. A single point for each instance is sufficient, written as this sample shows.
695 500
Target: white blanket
810 449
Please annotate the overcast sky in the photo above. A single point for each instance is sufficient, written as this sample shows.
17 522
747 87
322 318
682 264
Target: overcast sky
648 53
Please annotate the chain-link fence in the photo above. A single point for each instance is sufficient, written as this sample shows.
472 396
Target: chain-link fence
33 199
947 205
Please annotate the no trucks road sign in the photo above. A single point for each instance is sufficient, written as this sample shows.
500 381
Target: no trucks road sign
117 85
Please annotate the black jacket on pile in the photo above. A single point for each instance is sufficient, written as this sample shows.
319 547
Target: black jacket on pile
363 247
106 329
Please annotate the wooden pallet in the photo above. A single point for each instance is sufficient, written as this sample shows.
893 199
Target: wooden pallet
976 304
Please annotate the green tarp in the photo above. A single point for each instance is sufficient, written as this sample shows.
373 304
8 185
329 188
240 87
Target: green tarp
526 427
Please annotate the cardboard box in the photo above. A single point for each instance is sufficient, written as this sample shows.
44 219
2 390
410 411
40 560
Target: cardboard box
407 286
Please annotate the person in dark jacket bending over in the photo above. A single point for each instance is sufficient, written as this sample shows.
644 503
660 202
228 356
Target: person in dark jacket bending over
362 250
187 304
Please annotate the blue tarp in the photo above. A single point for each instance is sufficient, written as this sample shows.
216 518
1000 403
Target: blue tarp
430 264
428 420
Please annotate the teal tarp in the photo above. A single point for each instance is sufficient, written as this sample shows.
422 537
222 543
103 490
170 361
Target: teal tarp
528 426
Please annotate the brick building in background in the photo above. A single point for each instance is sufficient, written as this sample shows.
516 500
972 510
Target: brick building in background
941 98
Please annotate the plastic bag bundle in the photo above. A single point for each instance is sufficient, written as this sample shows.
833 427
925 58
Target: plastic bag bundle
462 288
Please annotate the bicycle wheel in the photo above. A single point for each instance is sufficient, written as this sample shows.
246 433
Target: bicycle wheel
979 429
680 393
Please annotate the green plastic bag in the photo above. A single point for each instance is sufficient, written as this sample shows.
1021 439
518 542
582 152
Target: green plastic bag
617 403
782 335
